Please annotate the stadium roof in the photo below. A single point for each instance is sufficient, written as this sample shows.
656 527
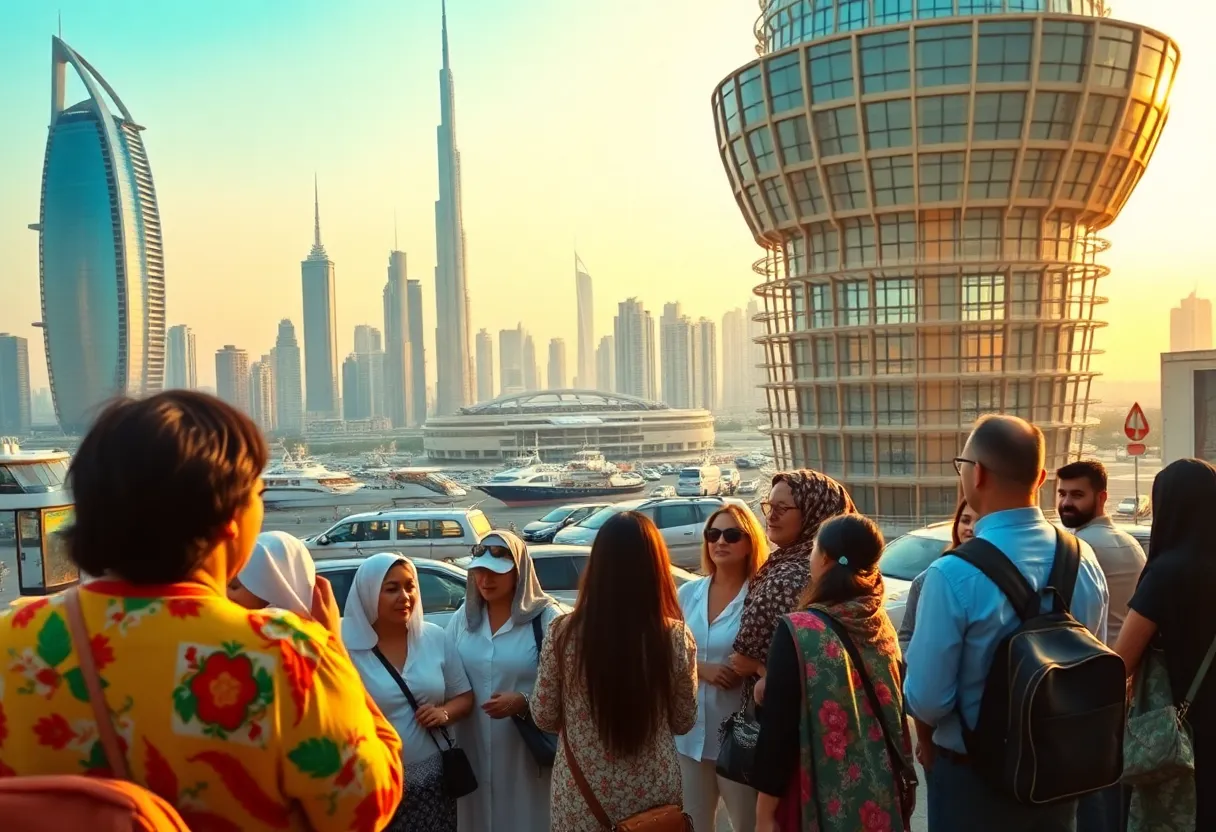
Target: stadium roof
560 401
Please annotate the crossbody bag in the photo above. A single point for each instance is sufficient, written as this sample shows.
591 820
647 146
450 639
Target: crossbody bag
541 744
665 818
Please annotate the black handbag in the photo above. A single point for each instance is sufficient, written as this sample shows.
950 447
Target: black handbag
737 753
541 744
458 776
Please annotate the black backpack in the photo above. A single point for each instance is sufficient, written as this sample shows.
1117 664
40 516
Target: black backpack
1051 719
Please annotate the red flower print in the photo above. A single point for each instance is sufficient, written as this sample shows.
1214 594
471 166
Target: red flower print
103 653
24 615
811 670
873 818
224 688
835 744
160 776
883 693
247 791
801 619
834 807
804 782
184 607
856 679
866 708
300 671
54 731
832 649
47 676
192 656
816 623
875 732
853 773
832 716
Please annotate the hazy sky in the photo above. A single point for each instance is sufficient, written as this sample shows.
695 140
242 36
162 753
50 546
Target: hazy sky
577 120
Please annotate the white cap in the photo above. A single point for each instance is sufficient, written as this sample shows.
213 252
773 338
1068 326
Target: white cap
487 561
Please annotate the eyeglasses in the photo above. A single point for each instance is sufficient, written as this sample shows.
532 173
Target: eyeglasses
494 551
729 535
959 461
774 509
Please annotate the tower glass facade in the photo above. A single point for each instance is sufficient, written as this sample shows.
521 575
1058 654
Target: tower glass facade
320 327
927 180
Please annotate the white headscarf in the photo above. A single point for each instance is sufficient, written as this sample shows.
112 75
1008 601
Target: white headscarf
281 572
530 598
363 603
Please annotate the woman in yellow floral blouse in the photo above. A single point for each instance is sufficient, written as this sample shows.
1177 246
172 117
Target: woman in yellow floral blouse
243 720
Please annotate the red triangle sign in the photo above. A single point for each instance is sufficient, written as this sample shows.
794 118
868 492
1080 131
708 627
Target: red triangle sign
1135 426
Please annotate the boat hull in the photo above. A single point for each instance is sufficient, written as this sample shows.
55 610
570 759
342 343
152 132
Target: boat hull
285 501
531 495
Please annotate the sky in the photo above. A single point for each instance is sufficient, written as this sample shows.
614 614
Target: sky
580 124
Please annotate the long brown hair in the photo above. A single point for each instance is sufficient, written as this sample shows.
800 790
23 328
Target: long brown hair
621 627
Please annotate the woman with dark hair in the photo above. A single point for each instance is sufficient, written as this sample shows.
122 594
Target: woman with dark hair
797 505
1171 608
822 758
241 719
619 680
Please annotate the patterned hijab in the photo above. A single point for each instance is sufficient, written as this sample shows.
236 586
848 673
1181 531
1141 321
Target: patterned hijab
819 498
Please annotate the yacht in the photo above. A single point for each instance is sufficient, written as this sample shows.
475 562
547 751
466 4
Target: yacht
300 481
414 484
35 504
587 475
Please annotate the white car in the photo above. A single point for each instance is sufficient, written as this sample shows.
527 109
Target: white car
663 491
1134 508
904 558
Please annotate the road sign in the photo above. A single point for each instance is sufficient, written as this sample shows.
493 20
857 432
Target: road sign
1136 449
1135 426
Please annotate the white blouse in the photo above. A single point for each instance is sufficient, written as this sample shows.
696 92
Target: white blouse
434 674
714 644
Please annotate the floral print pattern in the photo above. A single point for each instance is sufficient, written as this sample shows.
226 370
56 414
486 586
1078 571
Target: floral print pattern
223 693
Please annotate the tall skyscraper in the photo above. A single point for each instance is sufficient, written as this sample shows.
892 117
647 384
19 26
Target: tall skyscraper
181 363
101 260
605 364
633 330
368 390
531 368
453 355
705 365
675 356
485 366
232 376
511 360
261 393
557 364
351 405
736 354
367 339
398 363
1191 324
418 401
288 396
928 193
320 325
15 415
586 327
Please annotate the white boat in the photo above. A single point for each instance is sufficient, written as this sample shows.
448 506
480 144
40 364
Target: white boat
35 504
300 481
587 475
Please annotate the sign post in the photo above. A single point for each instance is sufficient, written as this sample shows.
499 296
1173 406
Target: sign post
1136 428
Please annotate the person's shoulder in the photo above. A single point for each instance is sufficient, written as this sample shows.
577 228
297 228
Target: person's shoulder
431 632
284 630
690 589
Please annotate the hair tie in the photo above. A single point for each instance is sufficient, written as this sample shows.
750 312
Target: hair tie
844 561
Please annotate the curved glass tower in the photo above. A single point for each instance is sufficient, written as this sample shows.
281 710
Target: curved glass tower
928 179
101 260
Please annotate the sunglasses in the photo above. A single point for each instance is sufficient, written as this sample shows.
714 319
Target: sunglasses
494 551
729 535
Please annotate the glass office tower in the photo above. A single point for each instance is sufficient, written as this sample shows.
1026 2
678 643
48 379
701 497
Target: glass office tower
928 179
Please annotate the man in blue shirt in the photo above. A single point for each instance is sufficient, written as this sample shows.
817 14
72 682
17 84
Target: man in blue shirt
962 617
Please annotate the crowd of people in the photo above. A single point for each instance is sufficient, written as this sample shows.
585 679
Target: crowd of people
204 671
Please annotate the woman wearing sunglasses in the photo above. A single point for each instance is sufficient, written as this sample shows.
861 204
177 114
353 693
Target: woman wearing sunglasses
506 613
732 551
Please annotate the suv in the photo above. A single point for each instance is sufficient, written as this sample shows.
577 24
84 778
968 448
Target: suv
680 521
542 530
439 534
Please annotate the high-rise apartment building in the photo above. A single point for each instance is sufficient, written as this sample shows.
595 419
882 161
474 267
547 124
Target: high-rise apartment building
15 415
1191 324
368 385
398 364
417 353
633 331
557 365
485 366
511 360
288 395
232 376
705 365
675 356
757 363
736 356
320 326
261 394
531 368
351 405
928 182
453 356
605 364
181 364
585 371
101 259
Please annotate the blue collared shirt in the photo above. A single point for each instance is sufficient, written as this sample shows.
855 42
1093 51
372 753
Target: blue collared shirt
962 617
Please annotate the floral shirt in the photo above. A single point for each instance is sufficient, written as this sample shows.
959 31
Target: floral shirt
242 720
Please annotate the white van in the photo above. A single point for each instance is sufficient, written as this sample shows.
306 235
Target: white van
437 533
704 481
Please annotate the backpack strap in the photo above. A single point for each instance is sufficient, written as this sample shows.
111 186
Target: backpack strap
538 634
1064 569
92 681
1000 570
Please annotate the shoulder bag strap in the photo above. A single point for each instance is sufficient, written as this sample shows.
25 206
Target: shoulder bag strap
400 680
88 670
584 787
999 569
1185 706
538 634
1064 569
897 755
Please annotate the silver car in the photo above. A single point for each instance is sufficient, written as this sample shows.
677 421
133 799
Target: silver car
440 584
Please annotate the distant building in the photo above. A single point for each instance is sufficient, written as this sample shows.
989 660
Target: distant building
605 364
757 364
232 376
1188 406
675 357
42 407
261 394
350 384
705 365
15 415
485 366
398 363
288 396
181 363
511 360
419 406
586 377
531 368
737 391
320 327
633 331
1191 324
557 364
363 394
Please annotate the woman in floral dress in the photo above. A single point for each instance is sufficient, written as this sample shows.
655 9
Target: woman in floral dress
823 763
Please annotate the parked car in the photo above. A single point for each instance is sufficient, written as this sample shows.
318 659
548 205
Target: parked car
680 521
542 530
1133 507
436 533
699 481
651 475
441 585
663 491
749 486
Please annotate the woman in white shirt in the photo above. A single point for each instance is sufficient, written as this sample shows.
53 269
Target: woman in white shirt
383 624
734 548
495 635
280 573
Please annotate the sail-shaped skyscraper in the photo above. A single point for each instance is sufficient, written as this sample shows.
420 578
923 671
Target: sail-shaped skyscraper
101 262
453 355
